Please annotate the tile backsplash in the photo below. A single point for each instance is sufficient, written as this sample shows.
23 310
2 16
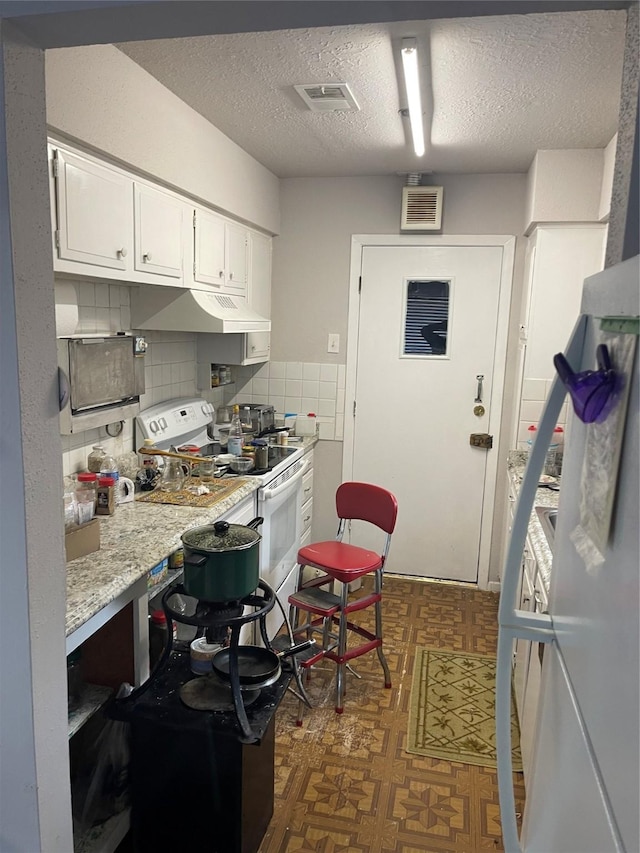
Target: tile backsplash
534 393
171 371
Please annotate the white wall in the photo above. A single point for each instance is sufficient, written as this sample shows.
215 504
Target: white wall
564 186
100 97
35 806
311 277
609 159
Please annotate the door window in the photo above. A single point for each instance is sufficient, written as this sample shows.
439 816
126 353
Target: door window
427 309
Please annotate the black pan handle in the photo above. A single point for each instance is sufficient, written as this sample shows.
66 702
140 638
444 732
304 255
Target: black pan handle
255 523
195 560
301 647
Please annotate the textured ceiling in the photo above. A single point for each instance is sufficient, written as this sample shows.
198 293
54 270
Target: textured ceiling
494 91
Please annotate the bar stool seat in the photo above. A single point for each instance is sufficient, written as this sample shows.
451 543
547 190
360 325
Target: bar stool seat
345 563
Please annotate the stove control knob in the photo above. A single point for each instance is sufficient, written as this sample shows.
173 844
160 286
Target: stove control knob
153 426
162 422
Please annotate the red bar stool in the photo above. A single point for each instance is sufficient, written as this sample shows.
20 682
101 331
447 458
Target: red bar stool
345 563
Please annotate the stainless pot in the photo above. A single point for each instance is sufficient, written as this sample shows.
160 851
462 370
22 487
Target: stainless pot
221 560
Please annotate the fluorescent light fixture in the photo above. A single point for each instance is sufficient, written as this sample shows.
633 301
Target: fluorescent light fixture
412 86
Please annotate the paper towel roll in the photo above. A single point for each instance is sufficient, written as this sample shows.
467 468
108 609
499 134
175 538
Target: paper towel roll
66 309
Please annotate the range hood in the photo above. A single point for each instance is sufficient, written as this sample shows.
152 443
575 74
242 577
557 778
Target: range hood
172 309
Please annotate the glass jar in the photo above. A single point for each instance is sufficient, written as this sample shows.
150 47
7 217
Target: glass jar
106 504
86 494
94 460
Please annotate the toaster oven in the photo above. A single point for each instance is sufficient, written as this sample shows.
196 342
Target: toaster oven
262 416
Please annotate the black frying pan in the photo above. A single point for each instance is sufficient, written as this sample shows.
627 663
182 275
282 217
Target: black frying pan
256 665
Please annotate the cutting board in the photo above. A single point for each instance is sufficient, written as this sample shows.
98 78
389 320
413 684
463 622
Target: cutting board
217 492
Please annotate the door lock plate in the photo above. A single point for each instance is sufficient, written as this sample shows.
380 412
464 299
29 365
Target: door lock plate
481 439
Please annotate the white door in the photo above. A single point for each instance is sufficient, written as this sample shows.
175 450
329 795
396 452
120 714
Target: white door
428 327
236 251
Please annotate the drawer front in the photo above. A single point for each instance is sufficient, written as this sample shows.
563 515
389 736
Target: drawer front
307 515
305 539
307 486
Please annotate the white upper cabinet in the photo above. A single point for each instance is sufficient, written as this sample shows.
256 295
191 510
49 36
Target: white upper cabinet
258 344
220 254
236 241
158 232
209 255
94 213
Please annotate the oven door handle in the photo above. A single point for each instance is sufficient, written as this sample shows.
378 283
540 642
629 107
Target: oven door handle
268 494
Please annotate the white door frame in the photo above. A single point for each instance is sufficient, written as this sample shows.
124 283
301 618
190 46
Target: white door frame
506 242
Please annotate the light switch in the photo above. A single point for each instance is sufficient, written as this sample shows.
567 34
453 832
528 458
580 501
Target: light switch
334 342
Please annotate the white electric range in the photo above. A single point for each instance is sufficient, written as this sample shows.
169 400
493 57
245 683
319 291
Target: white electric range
183 421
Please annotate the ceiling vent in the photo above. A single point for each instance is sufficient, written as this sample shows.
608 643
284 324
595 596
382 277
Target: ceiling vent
421 208
324 97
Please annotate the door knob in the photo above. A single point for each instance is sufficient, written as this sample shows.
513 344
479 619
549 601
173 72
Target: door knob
146 257
122 253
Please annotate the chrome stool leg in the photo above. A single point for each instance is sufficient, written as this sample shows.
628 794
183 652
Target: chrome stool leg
378 611
342 648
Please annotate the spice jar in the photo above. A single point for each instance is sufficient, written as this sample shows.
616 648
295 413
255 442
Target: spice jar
106 503
86 494
94 460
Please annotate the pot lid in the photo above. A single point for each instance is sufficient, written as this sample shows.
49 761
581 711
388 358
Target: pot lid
221 536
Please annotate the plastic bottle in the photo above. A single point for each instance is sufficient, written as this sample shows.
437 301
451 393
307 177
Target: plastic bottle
234 444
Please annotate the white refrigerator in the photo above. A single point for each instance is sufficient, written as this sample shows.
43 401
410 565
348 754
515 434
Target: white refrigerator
583 794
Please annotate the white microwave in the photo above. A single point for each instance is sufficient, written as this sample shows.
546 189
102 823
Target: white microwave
100 378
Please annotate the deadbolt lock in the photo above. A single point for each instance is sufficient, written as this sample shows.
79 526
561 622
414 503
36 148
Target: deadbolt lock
478 411
481 439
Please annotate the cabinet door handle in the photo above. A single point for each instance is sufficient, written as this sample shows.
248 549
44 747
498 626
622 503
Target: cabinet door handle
221 274
307 518
146 257
230 276
122 253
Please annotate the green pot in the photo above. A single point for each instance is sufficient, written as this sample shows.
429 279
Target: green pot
221 560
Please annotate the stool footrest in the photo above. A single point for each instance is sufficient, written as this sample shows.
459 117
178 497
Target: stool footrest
362 603
354 653
316 601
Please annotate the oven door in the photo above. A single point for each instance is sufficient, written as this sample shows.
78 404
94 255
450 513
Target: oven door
280 503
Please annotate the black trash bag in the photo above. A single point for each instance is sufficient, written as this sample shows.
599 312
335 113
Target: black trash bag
105 786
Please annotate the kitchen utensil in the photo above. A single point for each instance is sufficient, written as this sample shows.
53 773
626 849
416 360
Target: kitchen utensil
241 464
154 451
256 665
173 477
247 435
221 560
262 454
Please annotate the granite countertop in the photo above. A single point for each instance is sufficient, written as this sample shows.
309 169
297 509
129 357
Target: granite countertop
132 541
544 497
135 539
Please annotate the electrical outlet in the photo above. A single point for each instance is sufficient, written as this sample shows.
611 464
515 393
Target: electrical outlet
334 342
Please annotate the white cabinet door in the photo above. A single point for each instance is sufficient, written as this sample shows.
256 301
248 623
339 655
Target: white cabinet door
209 251
158 232
94 213
257 347
236 254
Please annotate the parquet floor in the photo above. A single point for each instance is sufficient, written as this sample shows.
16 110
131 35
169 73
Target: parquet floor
344 784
